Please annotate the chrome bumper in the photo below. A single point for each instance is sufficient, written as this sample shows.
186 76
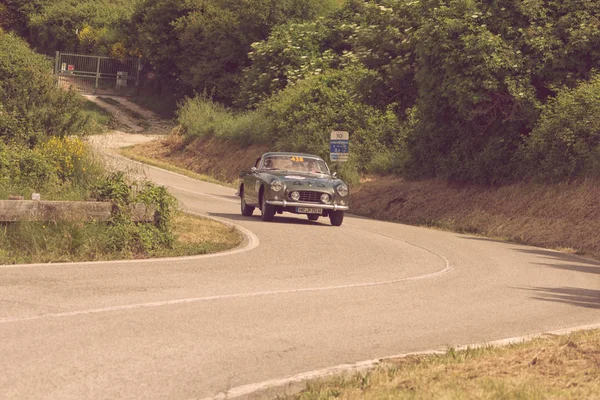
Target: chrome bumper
284 203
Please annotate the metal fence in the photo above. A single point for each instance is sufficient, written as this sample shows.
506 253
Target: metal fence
97 74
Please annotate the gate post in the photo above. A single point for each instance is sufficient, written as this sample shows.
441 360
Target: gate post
97 76
137 72
56 62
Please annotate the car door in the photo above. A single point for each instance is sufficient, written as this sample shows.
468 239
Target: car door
250 183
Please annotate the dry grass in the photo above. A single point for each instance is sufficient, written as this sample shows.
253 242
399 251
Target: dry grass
196 235
557 367
221 160
560 216
135 153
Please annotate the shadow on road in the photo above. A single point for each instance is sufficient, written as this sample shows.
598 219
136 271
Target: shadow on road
587 298
567 262
323 221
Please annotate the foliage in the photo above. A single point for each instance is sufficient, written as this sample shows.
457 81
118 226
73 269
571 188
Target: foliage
305 115
125 235
58 169
15 14
293 52
67 154
474 99
25 171
31 107
201 117
565 143
203 44
81 26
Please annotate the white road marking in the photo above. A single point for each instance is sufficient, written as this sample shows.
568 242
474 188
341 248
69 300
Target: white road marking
253 242
363 366
222 297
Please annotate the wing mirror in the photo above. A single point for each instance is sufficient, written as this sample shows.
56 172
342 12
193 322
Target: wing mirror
253 169
334 175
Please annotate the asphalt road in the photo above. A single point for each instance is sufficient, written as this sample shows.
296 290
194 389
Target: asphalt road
300 296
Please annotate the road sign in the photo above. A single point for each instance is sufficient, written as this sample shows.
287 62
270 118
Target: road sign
339 146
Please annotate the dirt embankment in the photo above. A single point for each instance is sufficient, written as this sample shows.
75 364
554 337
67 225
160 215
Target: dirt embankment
560 216
222 160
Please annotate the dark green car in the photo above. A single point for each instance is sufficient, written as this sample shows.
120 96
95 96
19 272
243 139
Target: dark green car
295 183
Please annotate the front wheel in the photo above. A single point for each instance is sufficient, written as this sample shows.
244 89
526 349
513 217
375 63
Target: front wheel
268 211
246 209
336 217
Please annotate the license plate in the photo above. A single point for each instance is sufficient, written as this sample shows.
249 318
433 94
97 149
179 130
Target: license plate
303 210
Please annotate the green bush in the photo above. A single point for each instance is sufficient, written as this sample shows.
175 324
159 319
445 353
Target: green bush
125 235
97 26
201 117
31 107
565 143
305 115
203 46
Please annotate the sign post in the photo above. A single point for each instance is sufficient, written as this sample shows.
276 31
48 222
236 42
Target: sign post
338 146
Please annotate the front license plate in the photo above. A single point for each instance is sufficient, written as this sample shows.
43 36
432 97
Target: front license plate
303 210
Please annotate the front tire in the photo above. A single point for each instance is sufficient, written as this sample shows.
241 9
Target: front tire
246 209
267 210
336 217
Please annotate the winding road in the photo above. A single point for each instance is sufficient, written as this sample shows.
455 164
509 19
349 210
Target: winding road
296 297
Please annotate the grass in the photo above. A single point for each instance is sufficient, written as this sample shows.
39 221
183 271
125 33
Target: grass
555 216
555 367
131 153
45 242
100 120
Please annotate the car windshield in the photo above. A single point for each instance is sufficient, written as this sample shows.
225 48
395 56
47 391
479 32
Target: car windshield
296 164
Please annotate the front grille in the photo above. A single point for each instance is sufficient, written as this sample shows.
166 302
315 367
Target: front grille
310 197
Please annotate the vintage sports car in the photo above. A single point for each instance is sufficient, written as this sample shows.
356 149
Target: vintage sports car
295 183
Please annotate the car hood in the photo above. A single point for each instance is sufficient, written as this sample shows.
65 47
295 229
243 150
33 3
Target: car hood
302 178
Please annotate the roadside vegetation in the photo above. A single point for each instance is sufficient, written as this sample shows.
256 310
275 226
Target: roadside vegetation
555 367
42 150
464 91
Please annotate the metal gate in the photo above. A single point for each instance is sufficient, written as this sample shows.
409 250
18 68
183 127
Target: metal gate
97 74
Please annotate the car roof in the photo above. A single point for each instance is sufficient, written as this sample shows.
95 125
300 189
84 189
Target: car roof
289 154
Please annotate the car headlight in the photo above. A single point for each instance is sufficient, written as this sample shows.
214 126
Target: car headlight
276 186
325 198
295 196
342 190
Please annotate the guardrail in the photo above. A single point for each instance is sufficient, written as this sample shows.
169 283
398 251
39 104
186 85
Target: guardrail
41 210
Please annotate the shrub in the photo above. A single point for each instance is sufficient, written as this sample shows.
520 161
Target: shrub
31 107
475 99
305 115
82 26
201 117
126 235
565 142
204 45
